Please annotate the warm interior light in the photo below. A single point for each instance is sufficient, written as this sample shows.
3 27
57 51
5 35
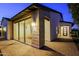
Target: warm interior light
33 26
4 28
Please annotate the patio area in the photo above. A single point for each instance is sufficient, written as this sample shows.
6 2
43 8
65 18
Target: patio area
14 48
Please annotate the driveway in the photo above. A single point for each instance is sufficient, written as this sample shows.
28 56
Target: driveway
14 48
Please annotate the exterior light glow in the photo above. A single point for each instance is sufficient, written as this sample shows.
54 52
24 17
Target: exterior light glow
4 28
33 26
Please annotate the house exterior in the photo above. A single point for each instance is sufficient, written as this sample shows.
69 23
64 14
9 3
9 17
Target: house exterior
0 31
37 24
4 26
65 29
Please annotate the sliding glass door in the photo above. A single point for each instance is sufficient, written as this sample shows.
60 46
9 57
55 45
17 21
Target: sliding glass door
21 31
28 31
16 31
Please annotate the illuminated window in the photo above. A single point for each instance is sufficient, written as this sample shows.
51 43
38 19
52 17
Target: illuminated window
21 31
65 31
28 31
16 31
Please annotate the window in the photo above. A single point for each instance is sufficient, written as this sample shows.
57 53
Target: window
16 31
21 31
65 31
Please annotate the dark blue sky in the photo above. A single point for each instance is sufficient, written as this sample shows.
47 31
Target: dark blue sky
9 9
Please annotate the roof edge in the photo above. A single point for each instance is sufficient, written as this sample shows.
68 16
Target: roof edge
38 4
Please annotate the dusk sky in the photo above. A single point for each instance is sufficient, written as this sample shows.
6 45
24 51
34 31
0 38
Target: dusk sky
9 10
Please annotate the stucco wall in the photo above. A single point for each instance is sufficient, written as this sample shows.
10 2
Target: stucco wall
54 19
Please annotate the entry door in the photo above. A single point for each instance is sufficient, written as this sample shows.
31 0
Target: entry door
47 30
28 31
21 31
15 31
65 31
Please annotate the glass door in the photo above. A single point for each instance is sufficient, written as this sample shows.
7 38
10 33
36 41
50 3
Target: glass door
64 30
21 31
15 31
28 31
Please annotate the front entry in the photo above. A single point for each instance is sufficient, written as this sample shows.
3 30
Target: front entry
65 32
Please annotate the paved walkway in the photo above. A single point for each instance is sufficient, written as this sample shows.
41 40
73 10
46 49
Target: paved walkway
14 48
